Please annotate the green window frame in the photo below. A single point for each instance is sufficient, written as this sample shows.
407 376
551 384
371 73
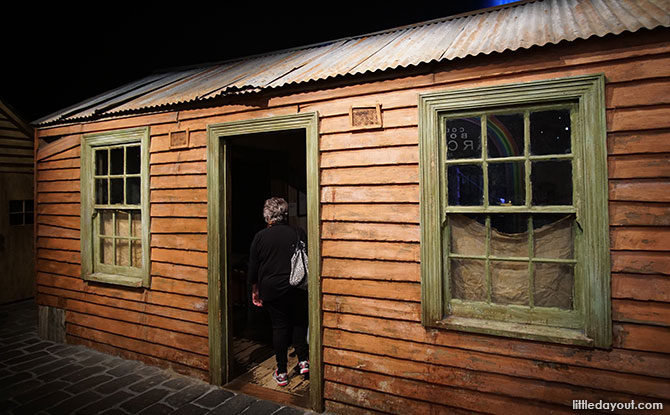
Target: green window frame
115 207
586 320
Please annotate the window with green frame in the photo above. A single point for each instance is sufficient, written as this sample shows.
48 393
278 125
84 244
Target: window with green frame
115 207
514 220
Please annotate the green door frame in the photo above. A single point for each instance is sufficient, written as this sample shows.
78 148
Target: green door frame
219 341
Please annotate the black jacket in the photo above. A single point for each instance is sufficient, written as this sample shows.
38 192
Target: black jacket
270 259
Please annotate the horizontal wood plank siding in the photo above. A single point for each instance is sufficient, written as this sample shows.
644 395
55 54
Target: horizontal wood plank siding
378 357
16 143
165 325
377 354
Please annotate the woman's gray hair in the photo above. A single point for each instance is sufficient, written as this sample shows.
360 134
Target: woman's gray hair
275 210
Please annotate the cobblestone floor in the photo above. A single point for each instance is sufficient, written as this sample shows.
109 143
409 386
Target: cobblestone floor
42 377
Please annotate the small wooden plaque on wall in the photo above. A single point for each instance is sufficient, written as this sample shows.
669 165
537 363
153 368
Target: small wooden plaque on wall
179 139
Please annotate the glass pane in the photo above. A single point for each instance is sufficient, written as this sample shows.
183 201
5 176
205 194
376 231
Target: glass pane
122 252
136 254
552 236
464 138
468 279
133 191
552 182
550 132
15 206
466 185
106 251
137 224
116 191
16 219
468 235
101 161
29 218
106 223
122 224
117 161
553 285
133 160
509 235
101 196
509 282
504 135
507 183
29 205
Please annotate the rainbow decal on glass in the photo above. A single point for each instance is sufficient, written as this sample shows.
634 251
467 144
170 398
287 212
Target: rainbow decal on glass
500 136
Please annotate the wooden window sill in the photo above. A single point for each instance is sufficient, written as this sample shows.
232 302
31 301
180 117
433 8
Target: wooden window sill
114 279
516 330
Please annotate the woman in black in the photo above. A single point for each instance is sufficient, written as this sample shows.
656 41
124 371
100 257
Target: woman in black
269 270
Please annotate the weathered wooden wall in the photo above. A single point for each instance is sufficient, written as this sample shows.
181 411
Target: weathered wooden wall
16 143
166 325
378 357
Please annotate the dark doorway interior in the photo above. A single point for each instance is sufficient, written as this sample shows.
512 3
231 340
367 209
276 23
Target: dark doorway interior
260 166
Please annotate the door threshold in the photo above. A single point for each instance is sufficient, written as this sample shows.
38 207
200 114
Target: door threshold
283 398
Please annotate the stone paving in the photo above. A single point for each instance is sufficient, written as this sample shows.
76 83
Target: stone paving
42 377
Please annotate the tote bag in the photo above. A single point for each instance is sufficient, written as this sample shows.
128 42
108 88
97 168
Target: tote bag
299 261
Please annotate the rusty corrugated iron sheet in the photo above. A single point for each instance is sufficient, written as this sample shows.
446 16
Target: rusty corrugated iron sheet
511 27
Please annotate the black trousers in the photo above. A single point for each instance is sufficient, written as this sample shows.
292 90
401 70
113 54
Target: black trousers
289 317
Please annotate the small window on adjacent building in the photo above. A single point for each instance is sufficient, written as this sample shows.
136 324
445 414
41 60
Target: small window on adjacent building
21 212
115 207
514 211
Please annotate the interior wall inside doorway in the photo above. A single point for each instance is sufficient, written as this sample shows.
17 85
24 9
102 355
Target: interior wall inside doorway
264 165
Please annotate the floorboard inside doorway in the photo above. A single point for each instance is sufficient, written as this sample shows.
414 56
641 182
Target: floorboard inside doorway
258 381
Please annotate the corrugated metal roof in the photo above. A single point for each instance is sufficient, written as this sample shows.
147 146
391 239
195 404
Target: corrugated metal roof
515 26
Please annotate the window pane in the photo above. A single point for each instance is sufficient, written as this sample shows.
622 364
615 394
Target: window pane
552 182
136 254
16 219
29 218
117 161
15 206
468 234
552 236
504 135
507 183
133 160
509 282
29 205
509 235
464 138
122 252
553 285
550 132
101 196
106 219
122 224
466 185
116 191
137 224
101 160
133 191
468 279
106 251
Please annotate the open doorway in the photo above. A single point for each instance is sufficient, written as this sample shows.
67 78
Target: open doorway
260 166
220 208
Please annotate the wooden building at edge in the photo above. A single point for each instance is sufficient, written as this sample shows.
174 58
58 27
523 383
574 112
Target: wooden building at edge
17 239
417 159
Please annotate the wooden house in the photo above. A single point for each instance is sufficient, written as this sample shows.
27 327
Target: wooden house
487 200
17 238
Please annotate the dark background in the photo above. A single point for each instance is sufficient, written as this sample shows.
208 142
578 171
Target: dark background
57 54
